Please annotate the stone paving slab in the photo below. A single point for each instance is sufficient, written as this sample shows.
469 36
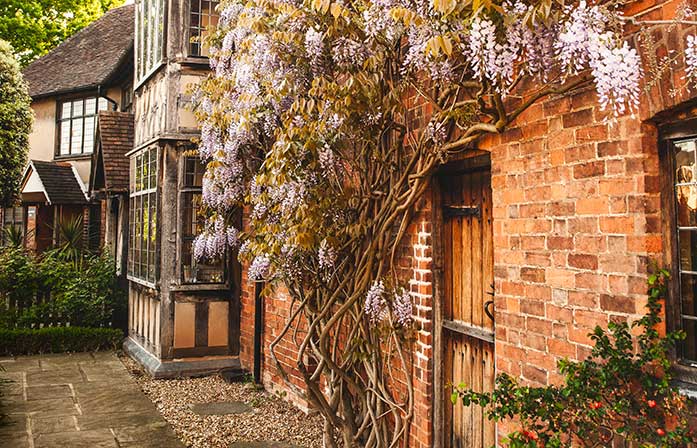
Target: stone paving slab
84 400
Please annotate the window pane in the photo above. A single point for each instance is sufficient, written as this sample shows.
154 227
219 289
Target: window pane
689 345
65 138
153 238
193 172
89 134
203 18
78 109
688 292
131 220
90 106
103 104
685 162
686 205
76 139
688 254
65 112
153 168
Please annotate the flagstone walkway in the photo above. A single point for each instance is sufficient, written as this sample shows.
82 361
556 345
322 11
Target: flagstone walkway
78 401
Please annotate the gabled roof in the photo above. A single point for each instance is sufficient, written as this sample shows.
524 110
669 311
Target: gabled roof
114 139
94 56
58 181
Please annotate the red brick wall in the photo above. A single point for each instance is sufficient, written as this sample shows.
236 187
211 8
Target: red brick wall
576 223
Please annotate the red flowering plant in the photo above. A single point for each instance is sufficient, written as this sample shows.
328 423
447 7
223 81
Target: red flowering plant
622 390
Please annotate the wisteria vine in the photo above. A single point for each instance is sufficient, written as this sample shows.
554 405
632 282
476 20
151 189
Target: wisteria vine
308 126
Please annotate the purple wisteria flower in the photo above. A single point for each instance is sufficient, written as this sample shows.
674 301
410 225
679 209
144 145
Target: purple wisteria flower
326 255
314 47
691 58
402 307
259 269
375 304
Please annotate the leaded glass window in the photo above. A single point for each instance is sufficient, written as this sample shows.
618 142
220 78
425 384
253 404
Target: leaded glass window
204 18
685 192
149 36
193 218
77 125
142 248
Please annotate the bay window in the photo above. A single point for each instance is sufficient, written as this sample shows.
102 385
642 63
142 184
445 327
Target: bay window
149 39
142 250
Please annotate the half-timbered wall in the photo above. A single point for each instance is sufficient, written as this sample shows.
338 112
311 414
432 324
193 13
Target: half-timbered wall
150 109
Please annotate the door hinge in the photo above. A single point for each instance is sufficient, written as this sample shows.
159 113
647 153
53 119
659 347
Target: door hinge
462 210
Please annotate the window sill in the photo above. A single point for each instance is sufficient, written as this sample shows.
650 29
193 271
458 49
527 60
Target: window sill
195 61
201 287
686 389
84 156
141 282
685 379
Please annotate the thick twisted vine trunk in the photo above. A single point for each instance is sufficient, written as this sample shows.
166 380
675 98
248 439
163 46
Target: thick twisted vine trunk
355 384
328 119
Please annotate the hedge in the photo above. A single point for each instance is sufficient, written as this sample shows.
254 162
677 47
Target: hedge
58 339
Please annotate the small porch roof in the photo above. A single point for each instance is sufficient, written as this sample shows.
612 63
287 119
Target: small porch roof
54 183
110 165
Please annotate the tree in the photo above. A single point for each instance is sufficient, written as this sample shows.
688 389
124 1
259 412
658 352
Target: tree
16 120
35 27
310 123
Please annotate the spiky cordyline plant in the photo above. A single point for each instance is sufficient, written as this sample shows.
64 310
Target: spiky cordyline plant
310 122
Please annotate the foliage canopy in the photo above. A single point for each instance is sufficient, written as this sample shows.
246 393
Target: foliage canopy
623 389
34 27
16 120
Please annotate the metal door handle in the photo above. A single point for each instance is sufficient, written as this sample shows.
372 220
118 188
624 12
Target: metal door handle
489 313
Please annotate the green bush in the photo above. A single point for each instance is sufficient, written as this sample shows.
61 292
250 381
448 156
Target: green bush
53 289
624 390
26 341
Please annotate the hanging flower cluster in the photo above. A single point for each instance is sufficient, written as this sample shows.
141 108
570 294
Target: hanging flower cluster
378 308
691 58
585 41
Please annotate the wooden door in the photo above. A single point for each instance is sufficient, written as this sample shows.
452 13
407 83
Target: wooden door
467 314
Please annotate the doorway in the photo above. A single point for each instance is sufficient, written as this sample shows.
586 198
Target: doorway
467 312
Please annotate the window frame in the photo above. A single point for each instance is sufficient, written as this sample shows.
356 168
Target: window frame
144 47
22 222
59 120
138 193
669 134
190 27
183 191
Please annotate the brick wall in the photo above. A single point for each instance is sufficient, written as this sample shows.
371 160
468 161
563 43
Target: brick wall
576 223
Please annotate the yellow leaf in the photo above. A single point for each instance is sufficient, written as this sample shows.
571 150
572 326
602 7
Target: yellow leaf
335 9
444 6
446 45
325 6
433 46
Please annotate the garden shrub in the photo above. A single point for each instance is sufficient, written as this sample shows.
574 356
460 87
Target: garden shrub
52 289
27 341
622 390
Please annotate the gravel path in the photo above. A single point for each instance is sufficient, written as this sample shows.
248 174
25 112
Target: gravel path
271 418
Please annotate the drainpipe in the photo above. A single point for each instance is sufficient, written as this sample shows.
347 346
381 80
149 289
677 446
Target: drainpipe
258 322
114 104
